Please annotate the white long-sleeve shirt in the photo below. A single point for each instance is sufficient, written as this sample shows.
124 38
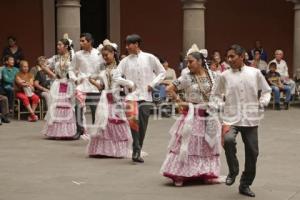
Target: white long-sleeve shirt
83 65
240 89
144 70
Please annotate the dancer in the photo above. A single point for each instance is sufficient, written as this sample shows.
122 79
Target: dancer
145 71
85 63
194 150
111 135
240 86
60 117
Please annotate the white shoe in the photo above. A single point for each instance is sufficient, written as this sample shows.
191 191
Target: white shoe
85 137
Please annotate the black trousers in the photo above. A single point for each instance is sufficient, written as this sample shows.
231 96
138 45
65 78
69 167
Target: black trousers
92 100
250 139
139 136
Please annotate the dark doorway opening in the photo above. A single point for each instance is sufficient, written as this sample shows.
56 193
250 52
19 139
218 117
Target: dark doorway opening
93 16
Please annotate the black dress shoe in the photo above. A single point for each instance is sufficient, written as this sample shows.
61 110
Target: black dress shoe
230 179
136 157
77 136
0 122
245 190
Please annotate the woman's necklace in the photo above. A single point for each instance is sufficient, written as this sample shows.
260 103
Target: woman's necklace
109 69
63 59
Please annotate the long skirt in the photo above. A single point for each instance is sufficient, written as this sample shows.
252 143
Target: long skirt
115 139
203 161
60 118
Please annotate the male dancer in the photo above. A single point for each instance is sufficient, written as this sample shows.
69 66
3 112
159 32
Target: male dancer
145 71
240 86
86 62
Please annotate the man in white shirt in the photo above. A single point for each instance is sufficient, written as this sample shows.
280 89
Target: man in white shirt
146 72
86 62
283 70
240 85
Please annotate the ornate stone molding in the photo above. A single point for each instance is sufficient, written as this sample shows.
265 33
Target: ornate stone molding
193 4
68 3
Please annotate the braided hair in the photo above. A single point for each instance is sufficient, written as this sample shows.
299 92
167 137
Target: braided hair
199 56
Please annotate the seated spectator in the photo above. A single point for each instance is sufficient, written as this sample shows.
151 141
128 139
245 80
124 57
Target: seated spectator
258 63
277 86
225 63
258 46
217 60
4 111
41 60
1 87
246 59
24 90
8 79
160 90
215 67
170 73
13 50
282 69
42 82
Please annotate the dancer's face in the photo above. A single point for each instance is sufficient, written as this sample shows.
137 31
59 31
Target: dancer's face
132 48
61 48
234 60
108 56
84 44
193 64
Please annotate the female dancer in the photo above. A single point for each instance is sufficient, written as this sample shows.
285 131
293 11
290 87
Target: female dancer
111 136
195 144
60 118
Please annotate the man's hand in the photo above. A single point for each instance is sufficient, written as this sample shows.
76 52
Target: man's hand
225 130
131 89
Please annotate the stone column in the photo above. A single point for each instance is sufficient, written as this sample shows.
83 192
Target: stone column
115 22
68 20
296 56
193 23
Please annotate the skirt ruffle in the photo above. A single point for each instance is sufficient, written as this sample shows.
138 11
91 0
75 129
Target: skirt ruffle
196 167
63 124
203 161
60 130
114 141
109 148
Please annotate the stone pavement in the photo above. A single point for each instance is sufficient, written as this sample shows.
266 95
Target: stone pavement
32 168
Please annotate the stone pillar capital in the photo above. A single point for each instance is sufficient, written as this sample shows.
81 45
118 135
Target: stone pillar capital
296 2
68 3
193 4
